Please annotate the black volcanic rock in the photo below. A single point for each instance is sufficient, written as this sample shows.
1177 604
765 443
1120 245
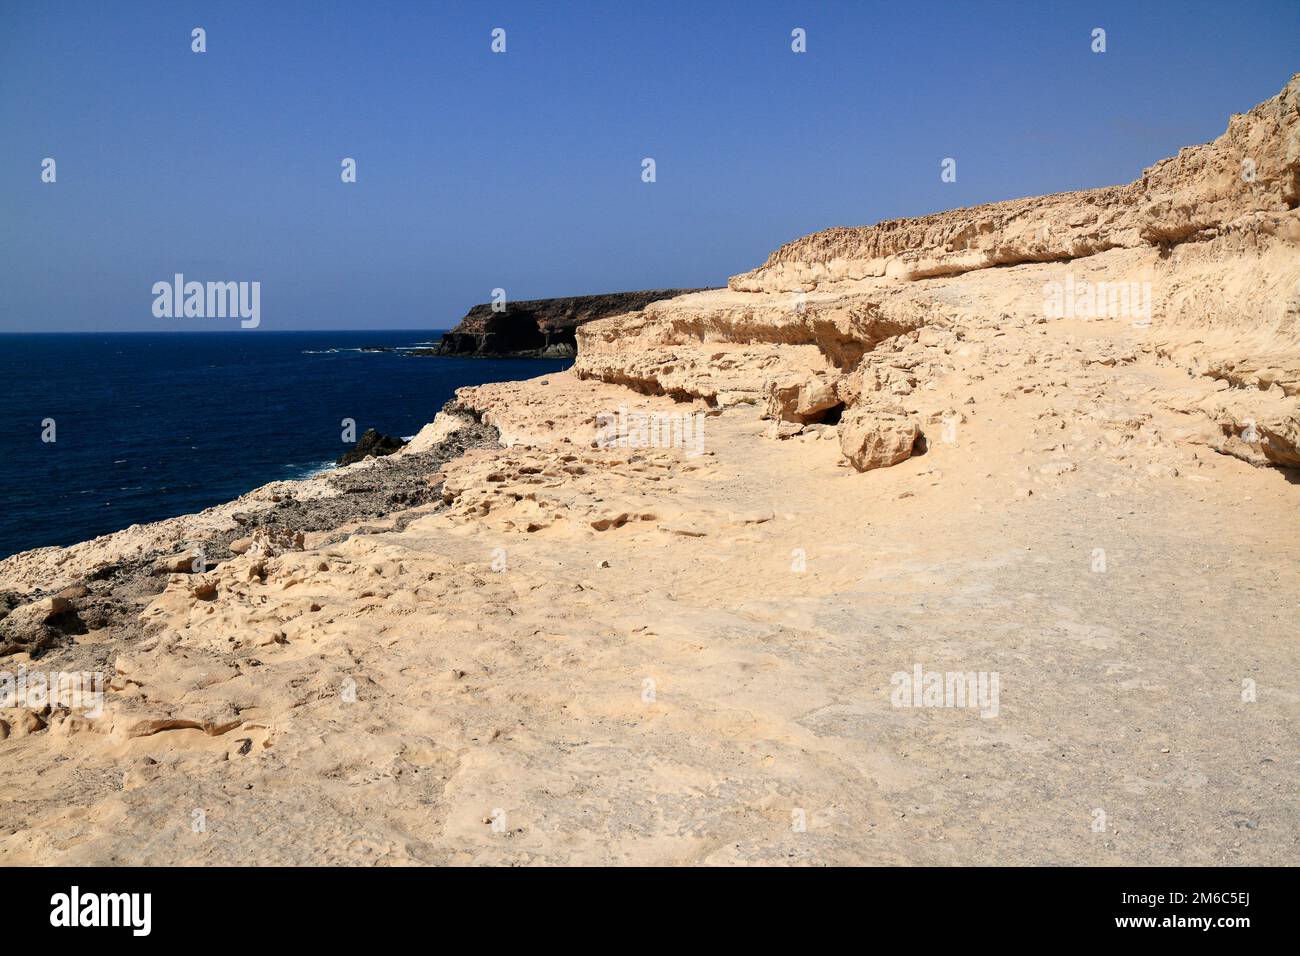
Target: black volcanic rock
371 443
538 328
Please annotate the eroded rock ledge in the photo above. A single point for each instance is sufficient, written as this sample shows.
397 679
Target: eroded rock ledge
1241 181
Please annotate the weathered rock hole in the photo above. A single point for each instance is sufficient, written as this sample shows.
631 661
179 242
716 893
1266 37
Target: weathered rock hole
832 415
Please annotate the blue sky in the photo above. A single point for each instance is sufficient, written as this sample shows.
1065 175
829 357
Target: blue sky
523 170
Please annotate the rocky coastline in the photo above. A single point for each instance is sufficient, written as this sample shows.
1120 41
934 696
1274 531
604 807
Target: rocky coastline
933 447
106 593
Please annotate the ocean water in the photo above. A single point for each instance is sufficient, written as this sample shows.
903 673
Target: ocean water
148 426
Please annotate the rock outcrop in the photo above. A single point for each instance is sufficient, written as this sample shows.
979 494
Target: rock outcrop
370 444
1247 180
1197 262
874 440
538 328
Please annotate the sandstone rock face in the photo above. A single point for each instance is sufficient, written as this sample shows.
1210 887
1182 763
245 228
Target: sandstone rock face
871 440
538 328
1248 178
1200 257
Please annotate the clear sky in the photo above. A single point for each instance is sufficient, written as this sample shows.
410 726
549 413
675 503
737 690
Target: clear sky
522 170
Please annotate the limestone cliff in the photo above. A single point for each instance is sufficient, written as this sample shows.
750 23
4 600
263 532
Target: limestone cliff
1195 265
1246 181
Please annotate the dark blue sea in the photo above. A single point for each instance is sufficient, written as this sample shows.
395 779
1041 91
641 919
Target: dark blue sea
150 426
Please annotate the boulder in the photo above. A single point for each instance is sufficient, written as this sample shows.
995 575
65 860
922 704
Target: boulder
872 439
270 542
186 562
39 612
801 399
30 627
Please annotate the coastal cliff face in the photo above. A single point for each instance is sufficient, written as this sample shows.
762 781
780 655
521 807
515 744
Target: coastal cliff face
539 328
655 609
1196 265
1244 183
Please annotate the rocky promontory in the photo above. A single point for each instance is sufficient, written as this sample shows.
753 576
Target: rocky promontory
371 443
538 328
